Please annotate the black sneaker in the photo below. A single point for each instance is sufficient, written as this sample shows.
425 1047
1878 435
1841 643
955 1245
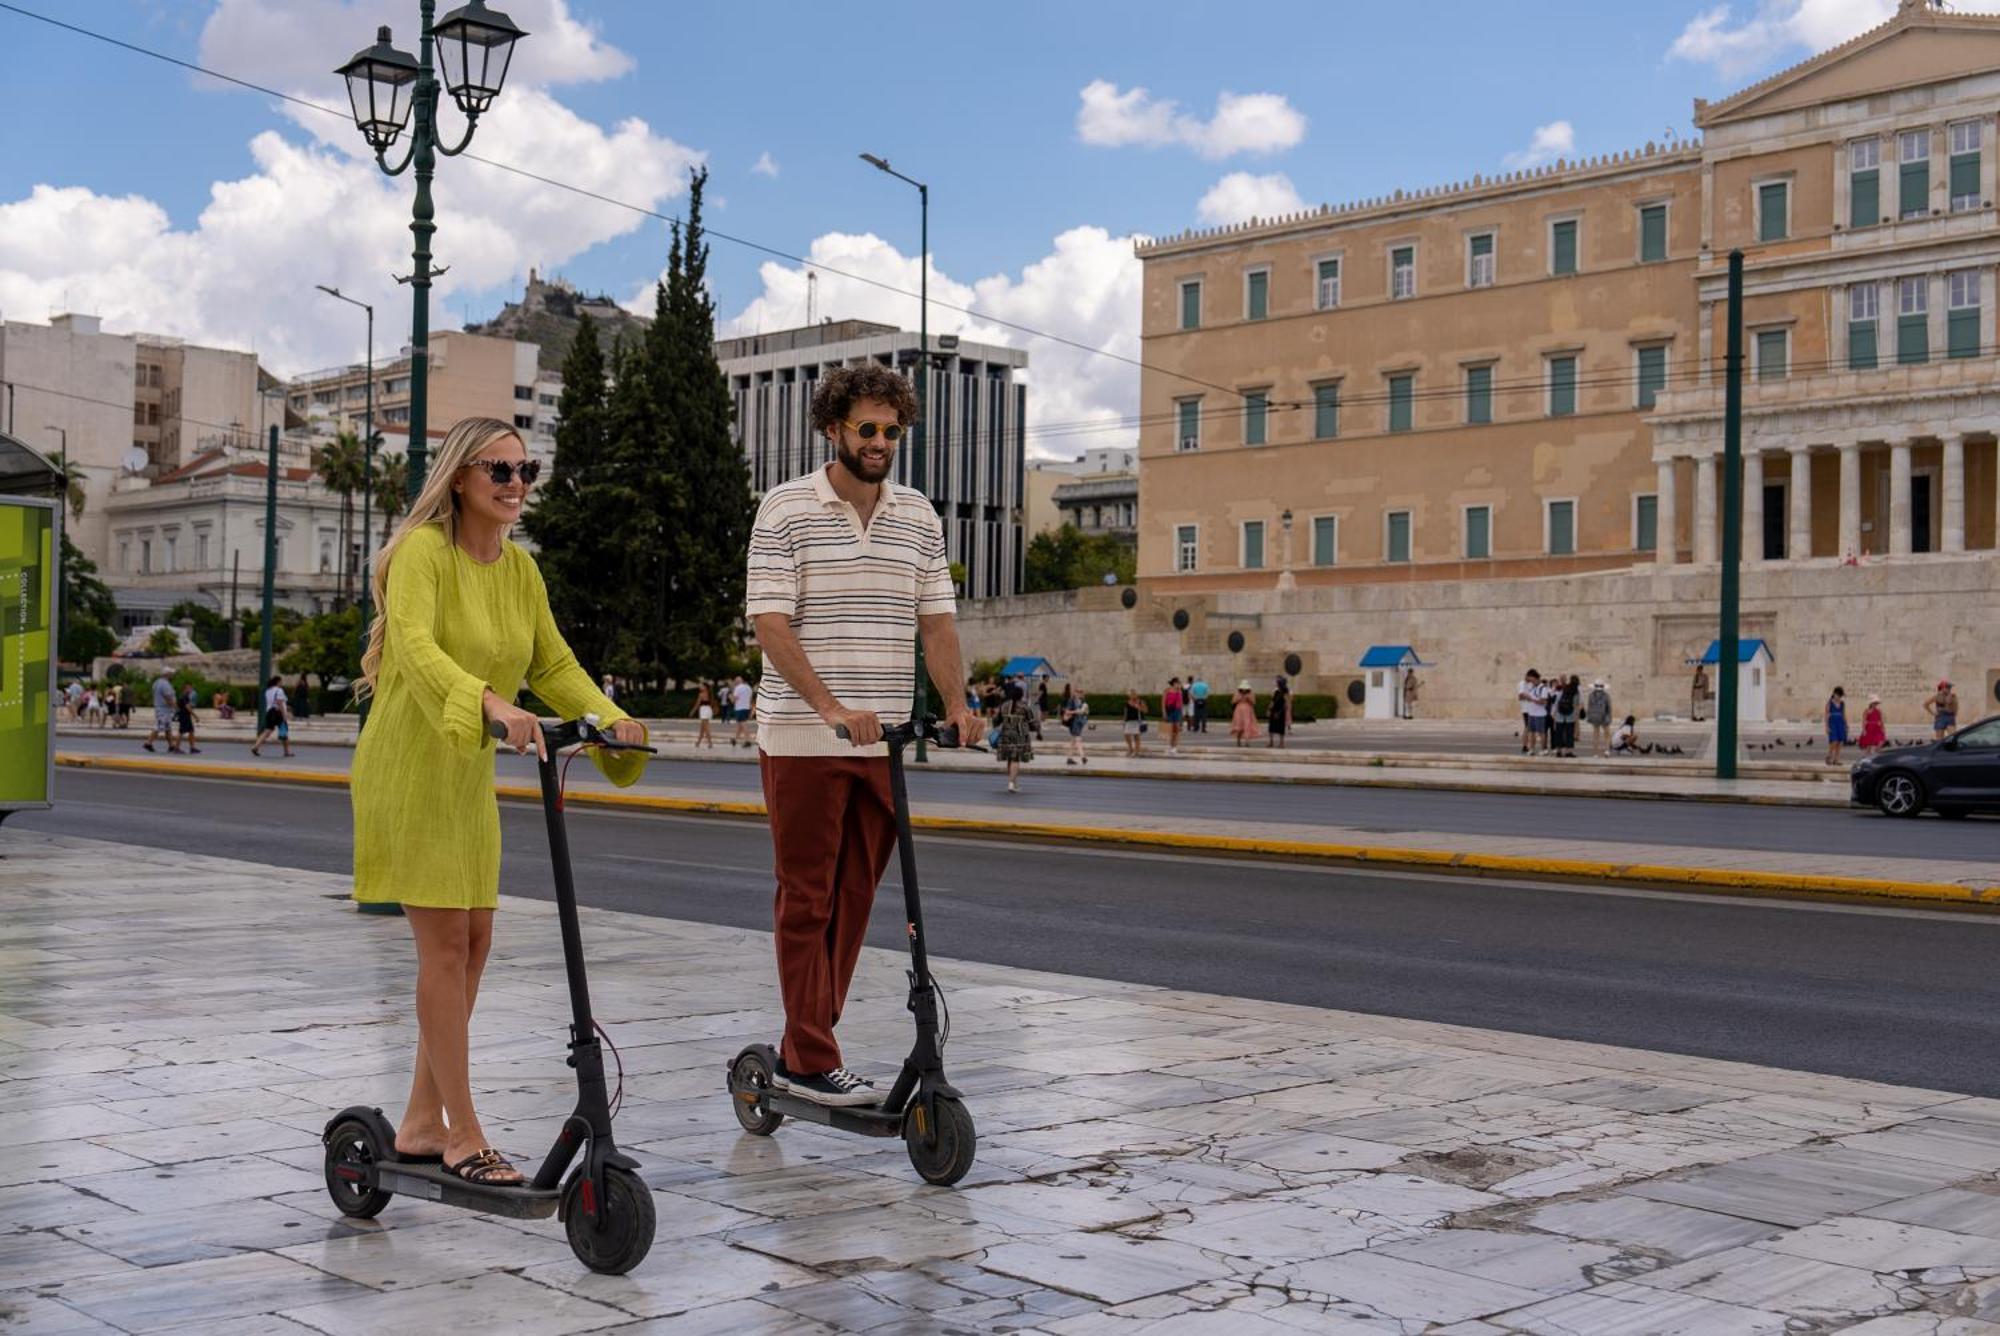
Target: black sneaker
839 1087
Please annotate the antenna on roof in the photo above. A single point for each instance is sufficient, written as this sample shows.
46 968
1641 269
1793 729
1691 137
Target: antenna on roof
812 297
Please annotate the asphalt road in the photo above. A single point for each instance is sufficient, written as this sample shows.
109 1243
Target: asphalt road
1046 791
1901 996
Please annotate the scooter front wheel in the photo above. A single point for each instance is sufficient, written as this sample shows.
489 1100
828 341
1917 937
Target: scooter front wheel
617 1235
941 1148
351 1157
749 1085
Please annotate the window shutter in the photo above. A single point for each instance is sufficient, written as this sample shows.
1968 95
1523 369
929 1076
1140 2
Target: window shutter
1259 300
1562 528
1864 191
1913 339
1323 540
1399 536
1915 198
1479 394
1648 524
1253 419
1564 242
1652 375
1478 533
1400 388
1562 386
1771 221
1861 346
1965 176
1771 354
1653 233
1190 306
1326 412
1190 425
1962 332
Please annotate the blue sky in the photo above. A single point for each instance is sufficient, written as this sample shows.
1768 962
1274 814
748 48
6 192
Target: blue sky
983 102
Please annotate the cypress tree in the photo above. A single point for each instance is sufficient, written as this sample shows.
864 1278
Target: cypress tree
567 522
642 508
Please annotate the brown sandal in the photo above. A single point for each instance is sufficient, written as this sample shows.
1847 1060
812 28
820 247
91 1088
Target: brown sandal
488 1167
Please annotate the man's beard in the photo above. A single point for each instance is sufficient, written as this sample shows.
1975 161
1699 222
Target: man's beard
852 461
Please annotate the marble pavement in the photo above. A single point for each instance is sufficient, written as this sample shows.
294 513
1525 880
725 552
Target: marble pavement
175 1030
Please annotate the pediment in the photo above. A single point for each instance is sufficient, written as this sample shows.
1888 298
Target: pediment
1912 50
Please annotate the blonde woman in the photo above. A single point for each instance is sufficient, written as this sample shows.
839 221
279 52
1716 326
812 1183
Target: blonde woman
463 620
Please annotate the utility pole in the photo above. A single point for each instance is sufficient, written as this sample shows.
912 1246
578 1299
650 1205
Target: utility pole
270 560
1730 666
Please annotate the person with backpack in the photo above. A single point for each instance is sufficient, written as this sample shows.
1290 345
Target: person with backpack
277 718
1018 730
1597 713
1278 721
1075 718
1563 712
184 719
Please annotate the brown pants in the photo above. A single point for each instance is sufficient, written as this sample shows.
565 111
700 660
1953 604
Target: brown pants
833 827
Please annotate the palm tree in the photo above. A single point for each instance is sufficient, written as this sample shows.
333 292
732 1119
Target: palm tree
392 476
72 483
342 466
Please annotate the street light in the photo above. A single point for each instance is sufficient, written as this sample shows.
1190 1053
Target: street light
385 87
1286 580
367 460
922 442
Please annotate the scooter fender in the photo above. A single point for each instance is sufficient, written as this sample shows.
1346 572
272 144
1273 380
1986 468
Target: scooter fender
597 1157
368 1117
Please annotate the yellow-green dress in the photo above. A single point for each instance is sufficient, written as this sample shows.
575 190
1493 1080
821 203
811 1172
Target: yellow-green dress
426 823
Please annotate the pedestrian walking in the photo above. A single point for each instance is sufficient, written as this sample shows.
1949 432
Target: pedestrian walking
121 701
276 717
846 568
1075 718
609 688
740 705
1597 713
73 701
1172 709
1243 714
1198 691
93 707
184 719
164 704
300 701
704 713
1534 706
463 621
1135 721
1874 736
1410 687
1042 701
1018 730
1943 710
1563 712
1278 718
1836 725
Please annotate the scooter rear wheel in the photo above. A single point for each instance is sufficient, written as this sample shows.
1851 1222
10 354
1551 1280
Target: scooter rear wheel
749 1084
941 1149
620 1234
351 1157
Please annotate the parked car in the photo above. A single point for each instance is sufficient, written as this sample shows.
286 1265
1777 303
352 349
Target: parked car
1953 778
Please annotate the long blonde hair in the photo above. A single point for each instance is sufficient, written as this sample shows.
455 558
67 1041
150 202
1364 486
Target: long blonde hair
436 504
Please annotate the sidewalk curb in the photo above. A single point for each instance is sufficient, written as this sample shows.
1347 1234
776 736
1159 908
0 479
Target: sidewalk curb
1715 880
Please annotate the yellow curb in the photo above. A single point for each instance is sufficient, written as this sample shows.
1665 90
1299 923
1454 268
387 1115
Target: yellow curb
1704 879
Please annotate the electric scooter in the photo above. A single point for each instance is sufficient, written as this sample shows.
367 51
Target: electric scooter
605 1206
922 1107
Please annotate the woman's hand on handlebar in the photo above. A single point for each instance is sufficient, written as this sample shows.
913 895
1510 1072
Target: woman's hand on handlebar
629 731
524 731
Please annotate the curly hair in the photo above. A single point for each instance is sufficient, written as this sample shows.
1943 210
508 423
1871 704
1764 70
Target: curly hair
839 388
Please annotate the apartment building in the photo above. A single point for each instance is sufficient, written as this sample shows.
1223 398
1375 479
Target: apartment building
1519 375
471 375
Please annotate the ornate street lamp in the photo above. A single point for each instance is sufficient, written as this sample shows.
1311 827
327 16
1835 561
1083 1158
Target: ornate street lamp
386 88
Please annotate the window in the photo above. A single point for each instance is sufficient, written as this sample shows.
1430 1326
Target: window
173 547
1403 272
1562 386
1256 294
1397 539
145 556
524 419
1652 374
1402 395
1191 305
1187 547
1326 412
1646 523
1652 234
1864 183
1773 199
1965 138
1771 349
1962 314
1478 533
1913 189
1562 246
125 556
1561 528
201 551
1256 406
1479 261
1188 430
1253 545
1326 540
1479 394
1329 284
1913 320
1863 312
525 393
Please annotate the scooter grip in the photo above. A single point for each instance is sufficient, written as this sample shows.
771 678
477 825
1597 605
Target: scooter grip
947 736
496 729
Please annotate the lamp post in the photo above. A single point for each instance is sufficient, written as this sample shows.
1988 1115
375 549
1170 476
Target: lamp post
1286 580
367 453
921 445
384 85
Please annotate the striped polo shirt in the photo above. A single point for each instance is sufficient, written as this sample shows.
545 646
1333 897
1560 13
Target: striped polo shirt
853 594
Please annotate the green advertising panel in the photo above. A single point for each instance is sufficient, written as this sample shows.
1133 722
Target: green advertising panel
27 649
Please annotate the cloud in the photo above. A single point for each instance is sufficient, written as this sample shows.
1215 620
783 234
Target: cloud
1087 288
1243 123
1239 197
765 165
1778 28
1555 140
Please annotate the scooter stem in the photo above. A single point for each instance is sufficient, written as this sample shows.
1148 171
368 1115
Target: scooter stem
906 855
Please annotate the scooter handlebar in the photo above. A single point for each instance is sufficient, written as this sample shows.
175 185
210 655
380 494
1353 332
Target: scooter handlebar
557 734
902 735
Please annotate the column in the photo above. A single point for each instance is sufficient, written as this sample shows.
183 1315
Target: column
1899 498
1954 495
1753 506
1850 500
1799 547
1704 510
1666 517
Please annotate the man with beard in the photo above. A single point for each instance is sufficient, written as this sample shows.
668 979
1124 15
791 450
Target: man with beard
845 569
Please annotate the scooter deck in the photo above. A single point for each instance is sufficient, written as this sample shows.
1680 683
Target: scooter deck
432 1182
872 1122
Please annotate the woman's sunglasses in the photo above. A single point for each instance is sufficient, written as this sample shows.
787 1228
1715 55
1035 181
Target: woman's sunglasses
866 430
503 471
